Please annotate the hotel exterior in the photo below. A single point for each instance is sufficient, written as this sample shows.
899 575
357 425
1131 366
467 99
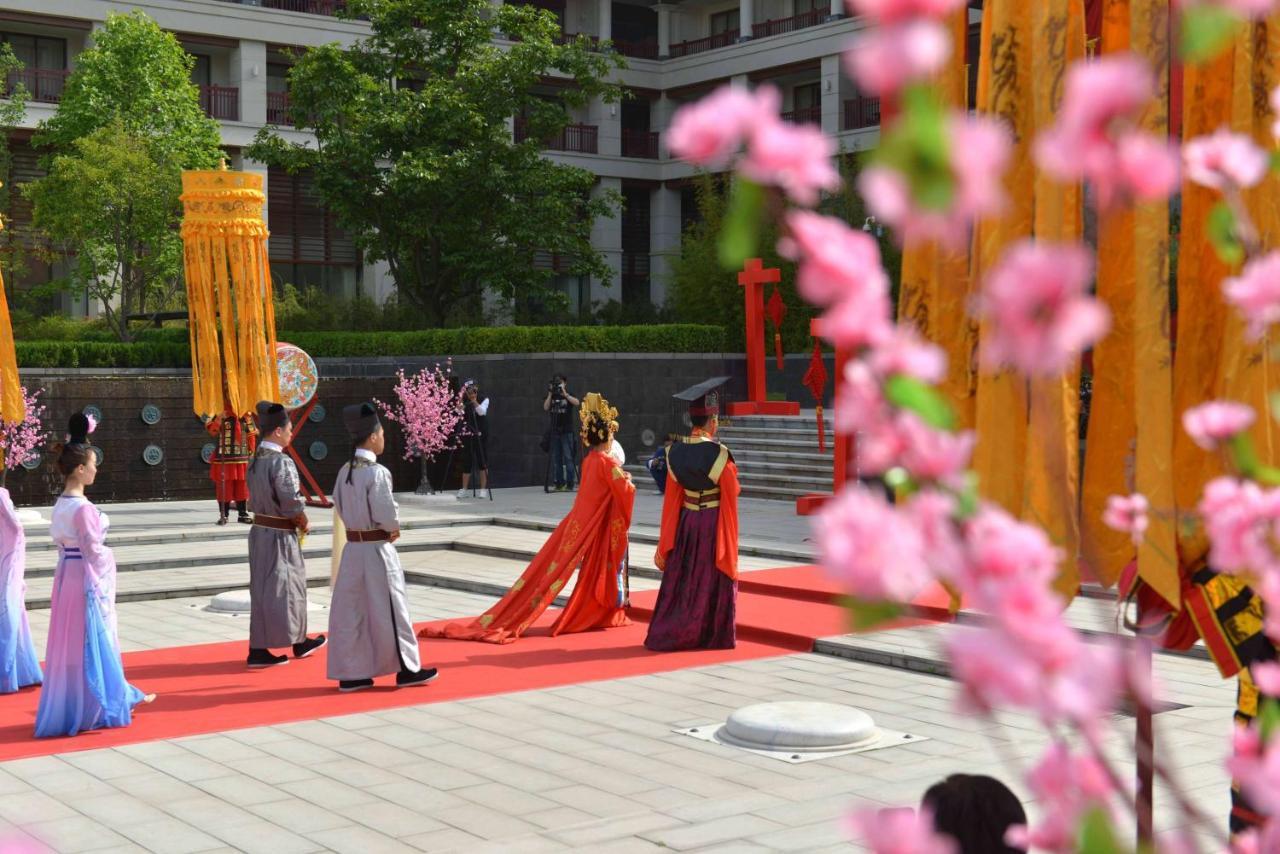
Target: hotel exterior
675 53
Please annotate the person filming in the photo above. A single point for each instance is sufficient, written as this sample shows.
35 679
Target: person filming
560 404
475 439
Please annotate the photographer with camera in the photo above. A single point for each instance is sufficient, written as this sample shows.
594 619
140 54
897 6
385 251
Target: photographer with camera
562 433
475 439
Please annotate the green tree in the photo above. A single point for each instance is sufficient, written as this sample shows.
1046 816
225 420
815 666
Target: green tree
13 109
414 155
704 292
139 75
128 123
111 204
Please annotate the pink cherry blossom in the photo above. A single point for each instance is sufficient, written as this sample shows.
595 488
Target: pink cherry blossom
1256 766
991 671
933 455
858 321
93 422
1002 550
1269 591
427 412
872 549
1127 514
891 11
1211 424
796 158
1041 316
979 153
1258 841
905 353
1225 160
835 261
1243 522
19 441
1266 675
709 132
932 512
1073 784
1094 136
884 59
1255 293
900 831
860 403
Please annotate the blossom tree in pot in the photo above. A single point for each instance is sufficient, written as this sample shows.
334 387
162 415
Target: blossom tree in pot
20 440
429 414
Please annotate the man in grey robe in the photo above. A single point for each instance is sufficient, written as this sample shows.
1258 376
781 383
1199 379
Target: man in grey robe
369 620
277 575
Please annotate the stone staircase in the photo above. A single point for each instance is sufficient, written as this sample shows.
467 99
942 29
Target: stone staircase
778 457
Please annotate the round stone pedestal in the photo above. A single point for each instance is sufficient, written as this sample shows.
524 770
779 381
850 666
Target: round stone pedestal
230 602
797 727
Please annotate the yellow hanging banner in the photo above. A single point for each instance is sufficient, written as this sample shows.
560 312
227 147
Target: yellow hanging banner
229 297
934 294
12 407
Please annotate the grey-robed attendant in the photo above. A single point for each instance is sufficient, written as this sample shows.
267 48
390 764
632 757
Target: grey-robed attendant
277 574
370 630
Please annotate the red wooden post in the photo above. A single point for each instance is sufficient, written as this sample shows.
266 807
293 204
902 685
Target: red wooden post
315 496
845 450
753 278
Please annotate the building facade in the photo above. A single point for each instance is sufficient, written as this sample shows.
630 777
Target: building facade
676 52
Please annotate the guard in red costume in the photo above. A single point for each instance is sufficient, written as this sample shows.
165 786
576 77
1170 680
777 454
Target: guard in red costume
235 439
698 543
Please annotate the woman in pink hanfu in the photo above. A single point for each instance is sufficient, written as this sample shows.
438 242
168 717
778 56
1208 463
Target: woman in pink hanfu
19 666
84 684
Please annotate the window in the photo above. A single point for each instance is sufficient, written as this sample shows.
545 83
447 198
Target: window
724 22
805 6
38 51
807 97
277 77
306 247
200 72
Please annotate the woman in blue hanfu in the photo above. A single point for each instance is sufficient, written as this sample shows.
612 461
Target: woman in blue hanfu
19 666
84 684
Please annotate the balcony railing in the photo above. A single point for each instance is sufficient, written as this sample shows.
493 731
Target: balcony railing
311 7
789 25
640 143
278 108
804 116
861 113
44 85
553 261
221 102
583 139
647 49
688 48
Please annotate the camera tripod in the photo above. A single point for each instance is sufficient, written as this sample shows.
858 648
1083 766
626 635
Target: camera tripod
479 456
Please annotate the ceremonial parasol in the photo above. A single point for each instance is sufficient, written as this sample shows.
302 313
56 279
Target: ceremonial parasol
229 299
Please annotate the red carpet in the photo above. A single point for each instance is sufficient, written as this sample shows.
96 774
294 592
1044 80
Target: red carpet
206 688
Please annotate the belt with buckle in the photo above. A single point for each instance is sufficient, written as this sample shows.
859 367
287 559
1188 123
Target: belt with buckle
377 535
279 523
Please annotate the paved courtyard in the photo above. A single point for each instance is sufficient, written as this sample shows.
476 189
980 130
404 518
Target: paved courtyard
588 767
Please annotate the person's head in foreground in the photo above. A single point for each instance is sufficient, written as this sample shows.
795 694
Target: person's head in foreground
976 811
599 421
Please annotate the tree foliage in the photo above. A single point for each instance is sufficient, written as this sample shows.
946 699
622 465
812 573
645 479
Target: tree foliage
128 123
702 291
111 205
13 109
139 75
414 151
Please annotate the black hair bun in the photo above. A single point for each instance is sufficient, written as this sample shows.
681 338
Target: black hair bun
78 429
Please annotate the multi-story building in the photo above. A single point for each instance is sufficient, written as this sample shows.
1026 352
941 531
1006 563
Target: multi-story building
676 52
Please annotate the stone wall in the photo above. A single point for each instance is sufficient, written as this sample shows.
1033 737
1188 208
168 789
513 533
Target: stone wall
640 385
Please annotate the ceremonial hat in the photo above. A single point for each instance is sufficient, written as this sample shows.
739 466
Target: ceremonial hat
599 419
361 420
271 416
703 398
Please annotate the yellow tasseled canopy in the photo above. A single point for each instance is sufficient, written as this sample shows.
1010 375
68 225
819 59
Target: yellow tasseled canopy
232 317
12 409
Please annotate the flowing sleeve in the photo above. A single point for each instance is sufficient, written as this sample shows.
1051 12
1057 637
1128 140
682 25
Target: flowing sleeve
727 529
288 488
671 502
382 502
99 562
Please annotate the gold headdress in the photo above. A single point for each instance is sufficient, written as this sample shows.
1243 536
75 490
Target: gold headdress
599 419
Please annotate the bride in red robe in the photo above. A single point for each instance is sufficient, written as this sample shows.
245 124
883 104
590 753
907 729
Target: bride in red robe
593 536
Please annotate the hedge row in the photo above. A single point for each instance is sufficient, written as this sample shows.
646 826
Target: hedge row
167 348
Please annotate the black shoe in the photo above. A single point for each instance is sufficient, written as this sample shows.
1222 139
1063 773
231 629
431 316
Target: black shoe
346 686
244 519
263 658
308 646
410 678
222 520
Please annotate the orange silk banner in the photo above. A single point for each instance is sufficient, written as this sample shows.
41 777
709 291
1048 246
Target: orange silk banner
1133 364
12 408
1213 359
934 294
